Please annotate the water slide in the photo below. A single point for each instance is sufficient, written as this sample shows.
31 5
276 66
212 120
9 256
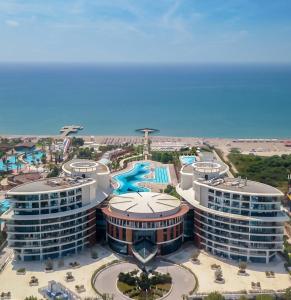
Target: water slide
67 143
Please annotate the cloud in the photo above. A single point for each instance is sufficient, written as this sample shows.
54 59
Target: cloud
11 23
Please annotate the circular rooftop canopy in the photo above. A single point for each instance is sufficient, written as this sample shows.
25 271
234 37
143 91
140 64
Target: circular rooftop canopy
84 166
145 205
206 167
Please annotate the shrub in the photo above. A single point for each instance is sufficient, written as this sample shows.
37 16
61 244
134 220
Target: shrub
195 254
127 278
214 296
21 270
264 297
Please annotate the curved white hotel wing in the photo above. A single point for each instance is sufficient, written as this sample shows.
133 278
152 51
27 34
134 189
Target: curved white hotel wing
57 216
233 218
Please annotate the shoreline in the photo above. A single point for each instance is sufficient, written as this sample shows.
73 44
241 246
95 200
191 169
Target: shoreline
255 146
270 139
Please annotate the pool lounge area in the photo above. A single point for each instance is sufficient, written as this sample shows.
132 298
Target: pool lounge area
14 162
141 172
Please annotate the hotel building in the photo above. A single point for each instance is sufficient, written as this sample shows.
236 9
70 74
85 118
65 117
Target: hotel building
233 218
145 224
56 216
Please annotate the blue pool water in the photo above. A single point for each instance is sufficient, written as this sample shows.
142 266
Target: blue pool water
128 181
187 159
30 157
161 175
4 205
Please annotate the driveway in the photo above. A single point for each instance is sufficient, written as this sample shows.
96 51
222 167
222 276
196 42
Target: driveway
183 280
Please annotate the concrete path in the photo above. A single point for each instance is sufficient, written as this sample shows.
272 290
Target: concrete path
183 280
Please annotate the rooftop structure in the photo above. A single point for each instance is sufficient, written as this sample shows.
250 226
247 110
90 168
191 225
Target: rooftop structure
48 185
147 132
145 204
145 224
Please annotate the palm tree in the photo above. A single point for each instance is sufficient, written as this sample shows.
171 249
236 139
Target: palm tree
18 164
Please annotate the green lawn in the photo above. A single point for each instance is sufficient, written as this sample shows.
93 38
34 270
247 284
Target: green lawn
123 287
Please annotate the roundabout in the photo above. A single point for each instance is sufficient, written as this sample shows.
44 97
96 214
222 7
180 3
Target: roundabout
106 281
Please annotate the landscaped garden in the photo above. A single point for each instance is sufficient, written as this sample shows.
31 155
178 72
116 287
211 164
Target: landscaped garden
141 285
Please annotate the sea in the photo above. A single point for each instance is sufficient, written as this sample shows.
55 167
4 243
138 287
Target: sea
205 100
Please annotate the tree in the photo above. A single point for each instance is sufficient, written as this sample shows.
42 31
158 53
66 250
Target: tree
30 298
144 282
214 296
77 142
43 159
287 295
54 171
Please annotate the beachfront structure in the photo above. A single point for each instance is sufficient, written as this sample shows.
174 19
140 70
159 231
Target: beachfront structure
55 217
146 146
145 224
233 218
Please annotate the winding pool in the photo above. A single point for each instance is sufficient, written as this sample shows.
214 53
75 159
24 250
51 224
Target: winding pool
128 181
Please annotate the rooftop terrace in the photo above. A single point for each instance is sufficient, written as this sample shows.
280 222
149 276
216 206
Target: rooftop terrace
240 185
49 185
84 166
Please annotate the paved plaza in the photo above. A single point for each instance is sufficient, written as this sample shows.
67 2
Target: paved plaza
183 281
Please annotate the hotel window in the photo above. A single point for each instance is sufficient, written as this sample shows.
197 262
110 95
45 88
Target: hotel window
245 198
54 195
226 195
236 196
165 235
44 197
123 234
63 194
172 233
218 193
71 192
211 191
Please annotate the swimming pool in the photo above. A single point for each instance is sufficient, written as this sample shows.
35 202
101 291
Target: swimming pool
30 157
128 181
187 159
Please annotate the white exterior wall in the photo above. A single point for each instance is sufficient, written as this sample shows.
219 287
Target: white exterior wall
186 181
103 181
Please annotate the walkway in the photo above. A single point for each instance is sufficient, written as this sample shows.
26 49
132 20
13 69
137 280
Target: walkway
183 280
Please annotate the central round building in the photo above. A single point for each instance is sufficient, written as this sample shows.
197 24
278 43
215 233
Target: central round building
145 224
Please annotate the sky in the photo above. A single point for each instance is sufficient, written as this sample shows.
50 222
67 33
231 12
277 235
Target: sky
145 31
